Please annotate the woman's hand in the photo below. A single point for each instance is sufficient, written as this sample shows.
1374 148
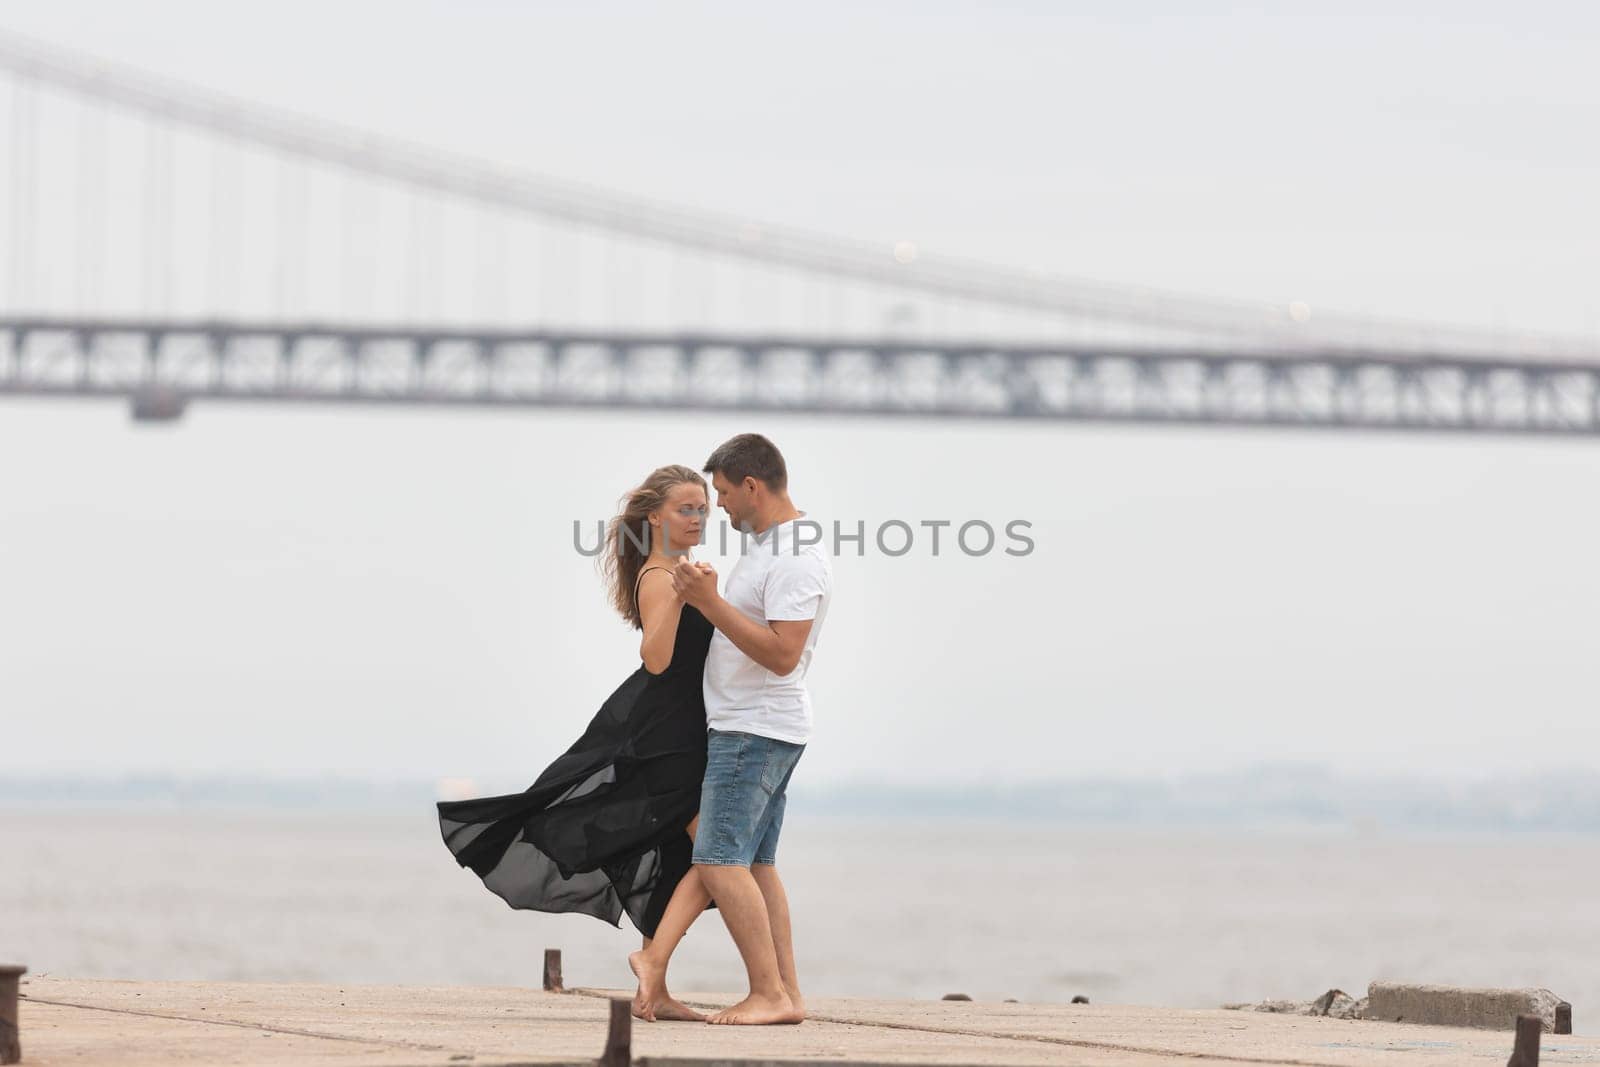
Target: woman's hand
695 582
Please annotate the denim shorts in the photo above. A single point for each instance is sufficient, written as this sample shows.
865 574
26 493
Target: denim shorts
742 798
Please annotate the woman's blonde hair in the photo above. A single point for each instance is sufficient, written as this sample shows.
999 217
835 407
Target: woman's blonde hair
629 534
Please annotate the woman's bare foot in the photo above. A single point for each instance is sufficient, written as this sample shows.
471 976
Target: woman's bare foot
759 1011
669 1009
652 1002
652 984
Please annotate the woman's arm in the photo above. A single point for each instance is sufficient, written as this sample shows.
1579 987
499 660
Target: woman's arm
659 608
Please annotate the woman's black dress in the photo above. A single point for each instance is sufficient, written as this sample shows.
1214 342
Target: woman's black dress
602 831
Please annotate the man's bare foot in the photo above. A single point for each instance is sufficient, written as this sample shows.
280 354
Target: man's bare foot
759 1011
798 1003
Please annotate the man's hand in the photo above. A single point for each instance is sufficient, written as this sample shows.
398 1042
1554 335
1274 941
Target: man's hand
695 583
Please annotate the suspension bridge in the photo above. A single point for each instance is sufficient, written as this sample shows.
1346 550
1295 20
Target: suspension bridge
166 244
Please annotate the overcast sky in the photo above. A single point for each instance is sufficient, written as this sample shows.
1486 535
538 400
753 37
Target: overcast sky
396 594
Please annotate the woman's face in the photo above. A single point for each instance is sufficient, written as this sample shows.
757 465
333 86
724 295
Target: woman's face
683 516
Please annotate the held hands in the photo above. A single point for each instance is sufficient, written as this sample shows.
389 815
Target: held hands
694 582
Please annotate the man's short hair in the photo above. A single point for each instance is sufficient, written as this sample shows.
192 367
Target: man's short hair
750 455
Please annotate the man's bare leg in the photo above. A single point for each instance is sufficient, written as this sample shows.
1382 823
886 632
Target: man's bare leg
771 886
744 910
652 1002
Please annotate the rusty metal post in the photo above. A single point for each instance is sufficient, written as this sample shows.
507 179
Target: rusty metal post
552 971
10 1030
619 1039
1525 1053
1563 1018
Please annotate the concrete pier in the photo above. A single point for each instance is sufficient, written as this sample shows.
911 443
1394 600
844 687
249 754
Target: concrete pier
1490 1009
85 1021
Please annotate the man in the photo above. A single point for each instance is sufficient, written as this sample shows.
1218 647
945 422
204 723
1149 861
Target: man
758 712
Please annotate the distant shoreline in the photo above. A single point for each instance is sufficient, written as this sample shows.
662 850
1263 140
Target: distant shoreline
1283 796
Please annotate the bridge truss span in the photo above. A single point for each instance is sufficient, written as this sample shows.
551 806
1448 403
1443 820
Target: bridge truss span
162 366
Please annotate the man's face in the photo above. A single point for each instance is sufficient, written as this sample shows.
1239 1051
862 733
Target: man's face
735 500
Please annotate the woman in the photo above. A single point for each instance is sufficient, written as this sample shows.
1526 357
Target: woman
608 827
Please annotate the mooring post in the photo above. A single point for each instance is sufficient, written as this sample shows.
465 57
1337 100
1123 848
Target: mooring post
1563 1018
619 1039
10 1030
552 971
1525 1052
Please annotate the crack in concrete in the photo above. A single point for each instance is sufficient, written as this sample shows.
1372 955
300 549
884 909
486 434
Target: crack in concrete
244 1025
1048 1039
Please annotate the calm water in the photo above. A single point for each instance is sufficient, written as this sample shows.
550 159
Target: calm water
887 908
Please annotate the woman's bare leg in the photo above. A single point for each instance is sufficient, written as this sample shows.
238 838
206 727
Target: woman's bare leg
652 1002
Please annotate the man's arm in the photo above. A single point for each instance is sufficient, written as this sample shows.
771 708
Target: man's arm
775 644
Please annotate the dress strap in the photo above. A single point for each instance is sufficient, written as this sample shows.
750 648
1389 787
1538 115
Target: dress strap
639 579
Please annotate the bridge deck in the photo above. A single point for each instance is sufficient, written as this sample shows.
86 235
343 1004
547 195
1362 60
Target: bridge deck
70 1021
162 366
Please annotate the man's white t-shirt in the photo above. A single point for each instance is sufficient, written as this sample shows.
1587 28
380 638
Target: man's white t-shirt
776 579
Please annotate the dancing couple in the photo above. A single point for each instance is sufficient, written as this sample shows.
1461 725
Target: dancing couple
672 800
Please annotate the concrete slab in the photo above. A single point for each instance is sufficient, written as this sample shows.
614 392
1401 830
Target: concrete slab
1489 1009
78 1021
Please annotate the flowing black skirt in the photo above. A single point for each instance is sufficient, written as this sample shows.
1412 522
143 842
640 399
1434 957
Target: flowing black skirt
603 831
